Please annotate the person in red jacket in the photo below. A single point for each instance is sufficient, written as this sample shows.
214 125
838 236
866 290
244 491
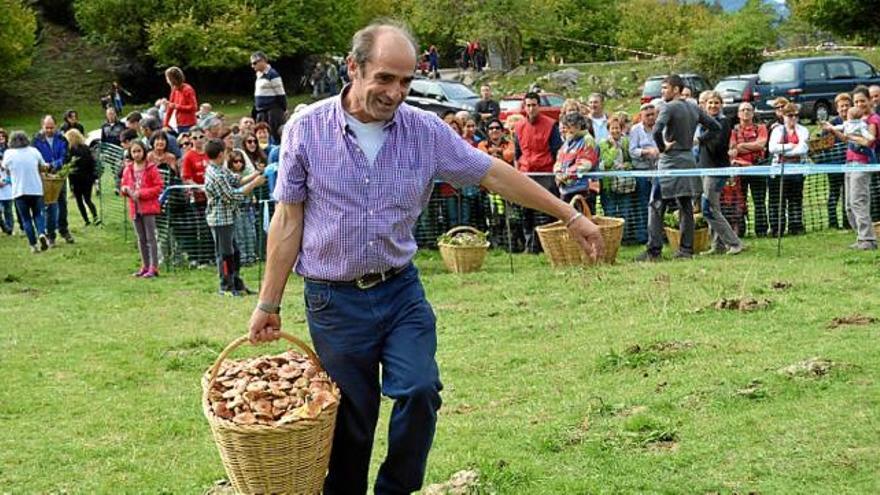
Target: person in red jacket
181 106
142 185
537 142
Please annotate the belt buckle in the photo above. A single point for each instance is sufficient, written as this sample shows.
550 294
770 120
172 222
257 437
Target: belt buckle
363 284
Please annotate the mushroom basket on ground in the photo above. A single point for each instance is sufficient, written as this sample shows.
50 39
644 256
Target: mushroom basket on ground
564 251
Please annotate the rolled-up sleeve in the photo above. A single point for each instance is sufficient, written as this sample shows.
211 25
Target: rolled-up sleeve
456 161
290 186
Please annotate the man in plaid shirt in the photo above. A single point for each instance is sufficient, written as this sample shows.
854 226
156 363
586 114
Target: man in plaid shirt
224 196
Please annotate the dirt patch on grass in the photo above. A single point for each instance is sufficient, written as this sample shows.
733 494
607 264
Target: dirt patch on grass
464 482
780 285
638 355
754 390
814 367
744 304
852 320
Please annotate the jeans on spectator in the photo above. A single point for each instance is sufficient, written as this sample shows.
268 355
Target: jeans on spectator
246 232
56 215
686 222
858 205
531 218
758 186
640 209
355 332
7 217
722 234
791 211
836 195
30 209
228 257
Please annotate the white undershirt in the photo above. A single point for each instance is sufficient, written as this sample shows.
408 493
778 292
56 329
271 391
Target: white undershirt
370 136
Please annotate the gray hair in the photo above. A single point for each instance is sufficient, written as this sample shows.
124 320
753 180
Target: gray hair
19 140
257 56
574 119
151 123
363 41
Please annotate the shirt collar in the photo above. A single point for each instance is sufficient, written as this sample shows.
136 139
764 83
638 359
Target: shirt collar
340 111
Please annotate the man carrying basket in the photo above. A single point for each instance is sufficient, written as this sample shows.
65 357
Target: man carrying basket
354 174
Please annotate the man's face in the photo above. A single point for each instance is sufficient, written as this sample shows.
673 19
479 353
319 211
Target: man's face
713 106
259 65
146 132
381 85
875 95
595 105
746 113
668 92
843 107
531 106
246 124
486 92
111 115
198 140
649 117
49 127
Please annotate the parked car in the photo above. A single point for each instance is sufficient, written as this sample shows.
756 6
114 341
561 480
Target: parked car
735 90
812 83
651 88
551 103
440 96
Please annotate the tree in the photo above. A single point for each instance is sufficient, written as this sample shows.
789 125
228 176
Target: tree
18 26
846 18
661 27
734 43
219 34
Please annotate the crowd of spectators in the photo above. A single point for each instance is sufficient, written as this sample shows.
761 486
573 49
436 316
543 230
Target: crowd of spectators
167 145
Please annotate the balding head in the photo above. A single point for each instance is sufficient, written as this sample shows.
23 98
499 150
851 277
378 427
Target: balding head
381 39
381 66
48 125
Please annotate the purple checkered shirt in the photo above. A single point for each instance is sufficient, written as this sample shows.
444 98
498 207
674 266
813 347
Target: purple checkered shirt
359 218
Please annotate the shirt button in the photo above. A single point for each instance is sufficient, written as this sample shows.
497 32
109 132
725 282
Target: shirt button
367 180
371 212
371 243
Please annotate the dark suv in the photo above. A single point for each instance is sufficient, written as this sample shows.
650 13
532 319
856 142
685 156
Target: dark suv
651 90
735 90
440 96
812 83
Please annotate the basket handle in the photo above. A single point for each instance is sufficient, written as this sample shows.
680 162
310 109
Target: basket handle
245 338
463 228
585 208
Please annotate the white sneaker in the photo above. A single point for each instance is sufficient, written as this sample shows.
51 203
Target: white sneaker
735 250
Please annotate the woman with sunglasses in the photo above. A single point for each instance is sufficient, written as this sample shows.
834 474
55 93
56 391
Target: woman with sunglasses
788 145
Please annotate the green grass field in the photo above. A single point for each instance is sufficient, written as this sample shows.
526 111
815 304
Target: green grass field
620 379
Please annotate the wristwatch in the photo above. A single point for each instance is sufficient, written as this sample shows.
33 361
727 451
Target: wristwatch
270 308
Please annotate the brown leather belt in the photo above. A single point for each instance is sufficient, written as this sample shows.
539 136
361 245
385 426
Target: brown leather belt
367 281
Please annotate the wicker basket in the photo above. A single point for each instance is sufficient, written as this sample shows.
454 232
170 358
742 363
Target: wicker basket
463 259
563 251
52 188
702 239
289 459
877 229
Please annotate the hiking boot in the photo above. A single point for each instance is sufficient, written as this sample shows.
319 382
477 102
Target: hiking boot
866 245
716 250
648 257
44 242
735 250
682 255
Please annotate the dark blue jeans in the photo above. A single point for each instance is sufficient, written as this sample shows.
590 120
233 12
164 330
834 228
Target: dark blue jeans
7 217
56 215
30 208
354 332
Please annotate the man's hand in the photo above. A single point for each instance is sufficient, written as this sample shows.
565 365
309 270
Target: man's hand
264 327
587 234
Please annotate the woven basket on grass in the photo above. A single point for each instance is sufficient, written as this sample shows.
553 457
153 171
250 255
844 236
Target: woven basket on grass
289 459
877 229
702 239
563 251
463 259
52 188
